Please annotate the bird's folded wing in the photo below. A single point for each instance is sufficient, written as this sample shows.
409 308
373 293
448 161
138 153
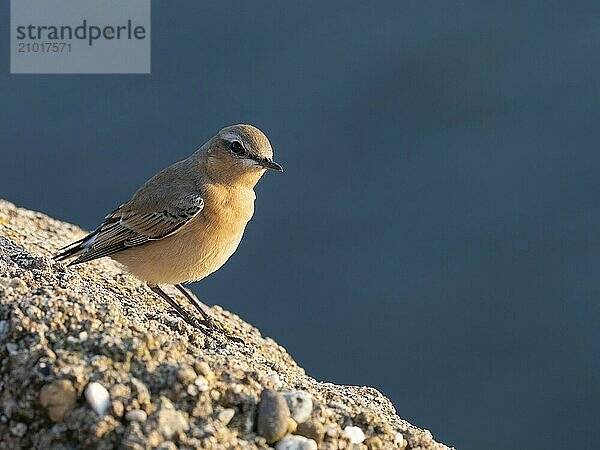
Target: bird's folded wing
127 226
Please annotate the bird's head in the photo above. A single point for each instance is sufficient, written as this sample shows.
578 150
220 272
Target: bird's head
240 153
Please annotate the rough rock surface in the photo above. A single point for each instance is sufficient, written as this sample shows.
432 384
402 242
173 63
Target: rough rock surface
170 387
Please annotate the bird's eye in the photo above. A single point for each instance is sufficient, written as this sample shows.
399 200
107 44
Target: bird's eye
237 148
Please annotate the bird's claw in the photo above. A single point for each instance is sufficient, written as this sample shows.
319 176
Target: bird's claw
225 330
209 325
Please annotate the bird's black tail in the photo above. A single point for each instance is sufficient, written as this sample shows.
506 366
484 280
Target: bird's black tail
76 248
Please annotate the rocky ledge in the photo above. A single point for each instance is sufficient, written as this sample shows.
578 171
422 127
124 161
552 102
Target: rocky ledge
91 358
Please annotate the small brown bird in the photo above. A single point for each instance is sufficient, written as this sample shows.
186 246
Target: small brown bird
187 220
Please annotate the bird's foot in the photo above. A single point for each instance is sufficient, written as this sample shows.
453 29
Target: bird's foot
208 321
225 330
209 325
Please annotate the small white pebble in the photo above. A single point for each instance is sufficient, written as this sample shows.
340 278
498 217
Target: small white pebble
355 434
209 429
19 429
136 415
274 381
98 398
226 415
300 404
192 390
202 383
295 442
83 336
12 348
332 431
399 439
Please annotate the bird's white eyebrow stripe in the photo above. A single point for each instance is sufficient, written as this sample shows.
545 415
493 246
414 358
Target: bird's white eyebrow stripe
229 136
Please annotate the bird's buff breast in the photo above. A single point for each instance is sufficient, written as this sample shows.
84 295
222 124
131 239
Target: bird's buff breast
198 249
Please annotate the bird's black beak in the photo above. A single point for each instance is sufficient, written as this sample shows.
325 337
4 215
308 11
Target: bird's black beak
270 164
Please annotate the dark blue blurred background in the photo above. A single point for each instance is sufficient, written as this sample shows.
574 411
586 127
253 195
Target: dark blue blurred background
435 234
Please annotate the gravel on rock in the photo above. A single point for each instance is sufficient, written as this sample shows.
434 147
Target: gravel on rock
161 383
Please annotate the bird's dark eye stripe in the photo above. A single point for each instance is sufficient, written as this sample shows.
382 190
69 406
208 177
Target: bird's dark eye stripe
237 148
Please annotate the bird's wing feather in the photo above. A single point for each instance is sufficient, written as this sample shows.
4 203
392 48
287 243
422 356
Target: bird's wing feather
127 226
159 224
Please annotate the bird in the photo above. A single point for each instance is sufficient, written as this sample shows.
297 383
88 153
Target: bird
187 220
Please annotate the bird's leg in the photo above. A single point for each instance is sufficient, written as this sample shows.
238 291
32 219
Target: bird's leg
212 323
182 313
194 301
